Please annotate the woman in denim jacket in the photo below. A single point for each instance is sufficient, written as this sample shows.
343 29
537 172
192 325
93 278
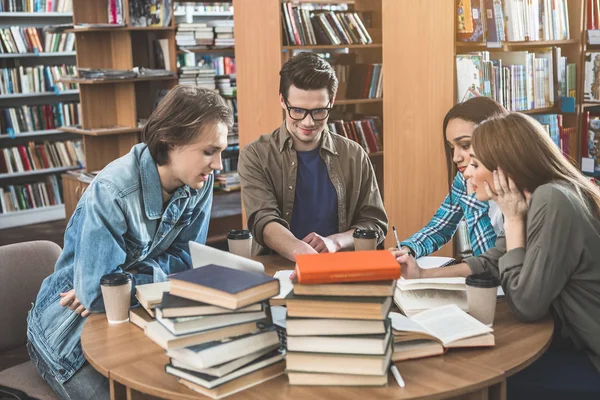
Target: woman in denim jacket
136 216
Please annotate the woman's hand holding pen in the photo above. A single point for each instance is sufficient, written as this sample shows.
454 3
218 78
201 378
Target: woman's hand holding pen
410 268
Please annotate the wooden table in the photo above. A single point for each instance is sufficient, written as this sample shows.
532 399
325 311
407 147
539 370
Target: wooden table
135 365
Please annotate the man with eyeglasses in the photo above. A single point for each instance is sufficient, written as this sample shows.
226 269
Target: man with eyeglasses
305 189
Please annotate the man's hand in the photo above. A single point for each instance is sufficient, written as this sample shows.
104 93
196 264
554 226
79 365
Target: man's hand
410 268
321 244
69 299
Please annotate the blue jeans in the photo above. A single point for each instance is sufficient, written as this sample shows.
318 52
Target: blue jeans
562 372
86 384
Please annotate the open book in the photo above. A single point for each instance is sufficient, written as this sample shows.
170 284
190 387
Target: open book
437 329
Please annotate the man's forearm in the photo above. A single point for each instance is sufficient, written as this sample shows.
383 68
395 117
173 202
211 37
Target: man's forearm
343 240
280 240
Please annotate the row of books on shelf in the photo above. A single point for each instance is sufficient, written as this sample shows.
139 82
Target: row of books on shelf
302 26
192 8
29 40
590 141
40 156
32 195
37 79
217 33
519 80
222 65
495 21
38 118
365 132
553 124
359 81
36 5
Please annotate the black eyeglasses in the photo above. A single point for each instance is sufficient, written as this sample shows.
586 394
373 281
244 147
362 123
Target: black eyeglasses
298 114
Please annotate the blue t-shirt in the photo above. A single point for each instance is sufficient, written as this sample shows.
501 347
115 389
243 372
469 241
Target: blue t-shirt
315 202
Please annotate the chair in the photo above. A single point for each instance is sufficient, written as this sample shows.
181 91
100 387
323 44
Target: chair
23 267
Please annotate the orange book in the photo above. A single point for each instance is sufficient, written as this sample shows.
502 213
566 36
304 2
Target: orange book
349 266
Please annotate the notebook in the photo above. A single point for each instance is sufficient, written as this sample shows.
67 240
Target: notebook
204 255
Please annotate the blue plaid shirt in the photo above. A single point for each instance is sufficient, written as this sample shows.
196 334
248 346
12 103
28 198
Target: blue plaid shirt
444 223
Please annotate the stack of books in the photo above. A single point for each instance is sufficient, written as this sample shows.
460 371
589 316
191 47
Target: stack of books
223 30
197 76
338 330
215 325
195 34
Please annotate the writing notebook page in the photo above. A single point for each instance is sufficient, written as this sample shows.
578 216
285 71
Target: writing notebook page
449 323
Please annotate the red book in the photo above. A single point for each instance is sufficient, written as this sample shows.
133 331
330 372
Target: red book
347 266
294 27
369 136
24 158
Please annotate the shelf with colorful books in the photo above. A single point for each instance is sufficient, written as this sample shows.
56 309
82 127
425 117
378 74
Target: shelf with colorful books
84 81
507 46
43 94
35 55
36 215
334 47
204 50
46 171
47 132
7 14
541 54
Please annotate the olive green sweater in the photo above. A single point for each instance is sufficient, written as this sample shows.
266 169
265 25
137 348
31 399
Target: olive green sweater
559 268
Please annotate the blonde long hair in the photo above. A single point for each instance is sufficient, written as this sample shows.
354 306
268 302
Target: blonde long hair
520 146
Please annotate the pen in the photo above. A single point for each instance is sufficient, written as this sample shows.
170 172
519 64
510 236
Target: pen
397 376
396 236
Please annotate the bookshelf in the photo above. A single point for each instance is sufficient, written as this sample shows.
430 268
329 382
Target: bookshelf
113 110
11 137
261 52
227 208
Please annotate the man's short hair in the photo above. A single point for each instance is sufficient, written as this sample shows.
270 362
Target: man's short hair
307 71
180 117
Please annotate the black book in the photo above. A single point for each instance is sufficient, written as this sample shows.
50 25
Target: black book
224 287
174 306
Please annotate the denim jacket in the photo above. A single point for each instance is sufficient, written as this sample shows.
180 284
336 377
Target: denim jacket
119 225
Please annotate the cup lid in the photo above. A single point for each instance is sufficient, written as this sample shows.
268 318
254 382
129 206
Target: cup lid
364 234
115 279
238 234
484 280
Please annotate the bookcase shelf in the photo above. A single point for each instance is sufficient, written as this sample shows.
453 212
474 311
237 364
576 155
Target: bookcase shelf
35 14
46 171
83 81
43 94
206 51
35 55
47 132
205 14
32 216
358 101
332 47
120 29
507 46
99 131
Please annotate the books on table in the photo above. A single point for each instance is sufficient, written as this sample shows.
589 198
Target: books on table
354 364
330 326
351 307
371 289
350 266
448 326
224 287
201 323
348 344
140 317
150 295
174 307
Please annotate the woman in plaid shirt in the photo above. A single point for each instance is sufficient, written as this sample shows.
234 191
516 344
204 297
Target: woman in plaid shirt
483 219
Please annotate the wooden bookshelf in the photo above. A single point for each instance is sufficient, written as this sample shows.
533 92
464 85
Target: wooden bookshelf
260 54
16 100
112 108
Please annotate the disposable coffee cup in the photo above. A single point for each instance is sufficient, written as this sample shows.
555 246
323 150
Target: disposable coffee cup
481 297
364 239
240 242
116 292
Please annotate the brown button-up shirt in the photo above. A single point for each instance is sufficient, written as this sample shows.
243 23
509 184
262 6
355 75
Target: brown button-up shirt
268 170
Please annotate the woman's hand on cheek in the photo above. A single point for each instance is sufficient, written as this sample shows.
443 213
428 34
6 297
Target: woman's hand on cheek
512 202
